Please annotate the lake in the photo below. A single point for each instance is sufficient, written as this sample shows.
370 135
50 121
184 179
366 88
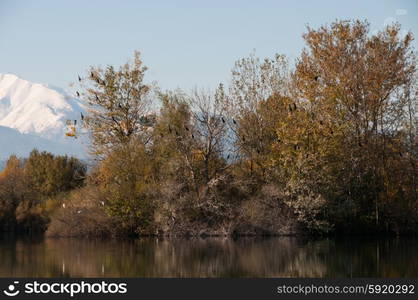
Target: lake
210 257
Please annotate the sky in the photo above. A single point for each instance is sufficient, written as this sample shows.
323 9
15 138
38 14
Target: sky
185 44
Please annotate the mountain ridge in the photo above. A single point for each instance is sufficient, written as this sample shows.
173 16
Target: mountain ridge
36 116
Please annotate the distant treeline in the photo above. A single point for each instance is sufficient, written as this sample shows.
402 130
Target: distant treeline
328 145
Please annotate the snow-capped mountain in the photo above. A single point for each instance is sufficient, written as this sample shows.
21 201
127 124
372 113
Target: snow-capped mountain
34 115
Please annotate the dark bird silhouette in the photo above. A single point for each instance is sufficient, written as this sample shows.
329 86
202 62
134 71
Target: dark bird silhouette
192 136
114 120
79 78
332 131
177 133
400 154
77 93
97 97
91 74
187 128
243 139
228 156
119 105
75 122
223 120
316 78
82 116
233 120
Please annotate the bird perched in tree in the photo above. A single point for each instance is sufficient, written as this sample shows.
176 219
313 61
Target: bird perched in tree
316 78
82 116
77 93
79 78
97 97
223 120
185 127
75 122
91 74
192 136
233 120
120 105
228 156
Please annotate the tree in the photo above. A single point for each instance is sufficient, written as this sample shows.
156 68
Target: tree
210 132
127 184
256 100
352 83
118 105
12 190
29 187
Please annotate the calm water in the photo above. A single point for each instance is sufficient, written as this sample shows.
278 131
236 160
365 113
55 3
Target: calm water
213 257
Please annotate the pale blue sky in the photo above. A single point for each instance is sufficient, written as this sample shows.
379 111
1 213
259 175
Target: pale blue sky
184 43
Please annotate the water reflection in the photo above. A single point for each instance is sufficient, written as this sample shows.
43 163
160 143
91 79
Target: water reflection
213 257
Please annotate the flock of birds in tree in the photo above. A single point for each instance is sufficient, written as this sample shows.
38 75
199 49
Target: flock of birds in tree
170 130
292 108
71 125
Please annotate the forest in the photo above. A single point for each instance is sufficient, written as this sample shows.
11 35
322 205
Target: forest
326 145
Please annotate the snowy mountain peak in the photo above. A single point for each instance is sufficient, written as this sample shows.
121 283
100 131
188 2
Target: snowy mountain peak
39 113
35 108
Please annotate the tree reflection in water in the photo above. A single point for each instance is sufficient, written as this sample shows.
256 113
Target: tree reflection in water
211 257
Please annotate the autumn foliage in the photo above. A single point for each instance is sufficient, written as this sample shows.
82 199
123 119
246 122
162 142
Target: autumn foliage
328 145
